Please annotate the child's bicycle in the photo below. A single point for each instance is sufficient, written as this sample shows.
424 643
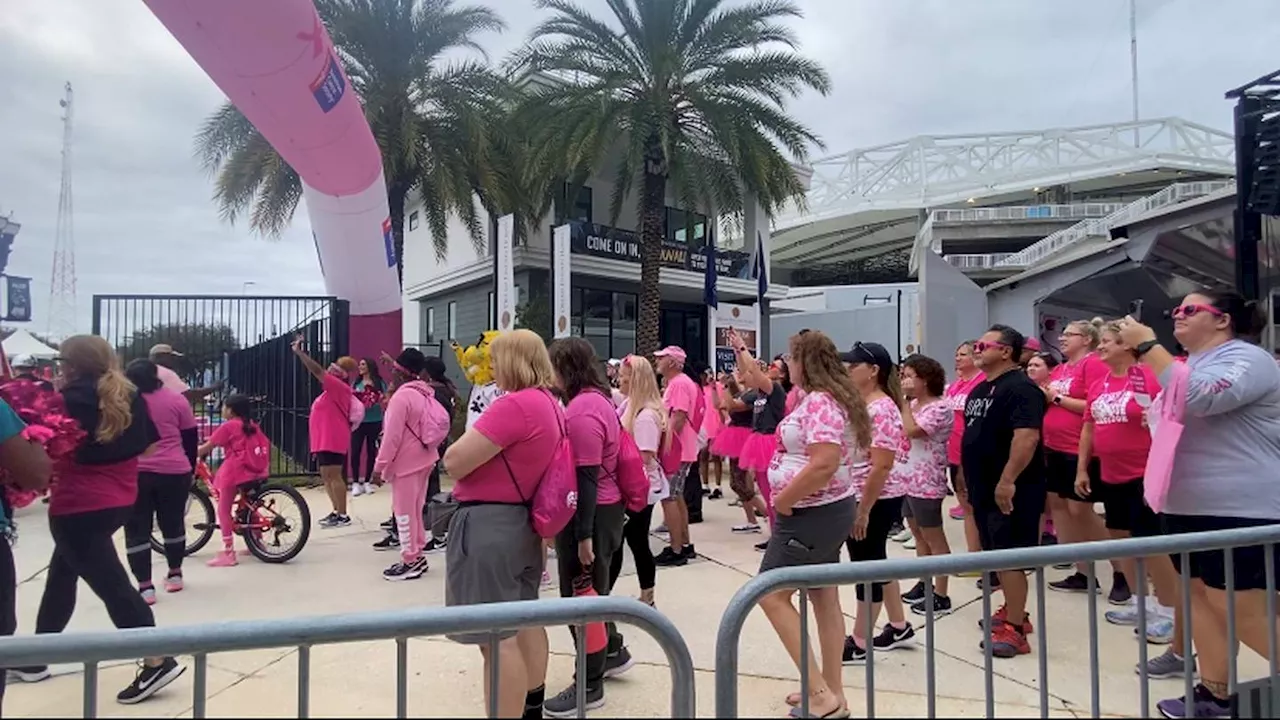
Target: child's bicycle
274 520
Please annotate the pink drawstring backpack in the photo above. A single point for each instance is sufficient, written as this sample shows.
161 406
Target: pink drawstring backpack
1168 412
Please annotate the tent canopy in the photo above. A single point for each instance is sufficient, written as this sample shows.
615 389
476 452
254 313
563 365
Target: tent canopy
22 342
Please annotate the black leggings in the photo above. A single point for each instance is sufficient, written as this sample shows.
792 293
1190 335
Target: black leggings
364 436
8 602
163 497
82 548
636 534
874 546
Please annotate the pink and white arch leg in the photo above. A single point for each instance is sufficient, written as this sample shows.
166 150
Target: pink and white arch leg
275 61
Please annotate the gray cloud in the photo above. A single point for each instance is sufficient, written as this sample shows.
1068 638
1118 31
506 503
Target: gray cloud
145 221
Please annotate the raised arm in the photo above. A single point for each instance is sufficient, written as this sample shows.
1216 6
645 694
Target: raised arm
312 366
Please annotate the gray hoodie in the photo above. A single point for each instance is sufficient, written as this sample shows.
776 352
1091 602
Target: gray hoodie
1228 459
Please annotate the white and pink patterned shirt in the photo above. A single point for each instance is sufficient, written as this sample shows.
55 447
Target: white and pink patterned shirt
926 467
886 434
817 418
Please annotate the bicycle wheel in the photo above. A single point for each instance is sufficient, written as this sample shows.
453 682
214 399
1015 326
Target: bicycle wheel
200 522
280 524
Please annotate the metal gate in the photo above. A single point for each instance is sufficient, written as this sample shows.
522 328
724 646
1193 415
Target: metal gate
243 343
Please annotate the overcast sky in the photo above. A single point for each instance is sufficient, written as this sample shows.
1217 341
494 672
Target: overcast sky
144 221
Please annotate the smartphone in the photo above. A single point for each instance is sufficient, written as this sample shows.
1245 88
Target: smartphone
1135 309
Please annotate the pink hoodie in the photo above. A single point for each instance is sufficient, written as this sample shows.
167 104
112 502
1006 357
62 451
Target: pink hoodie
412 429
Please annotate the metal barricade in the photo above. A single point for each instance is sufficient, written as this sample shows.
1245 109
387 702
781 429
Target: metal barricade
91 649
1038 558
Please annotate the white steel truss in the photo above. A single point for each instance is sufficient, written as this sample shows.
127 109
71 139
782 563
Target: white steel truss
930 171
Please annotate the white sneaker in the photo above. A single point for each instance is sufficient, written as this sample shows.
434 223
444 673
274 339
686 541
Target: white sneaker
357 489
909 543
903 536
369 488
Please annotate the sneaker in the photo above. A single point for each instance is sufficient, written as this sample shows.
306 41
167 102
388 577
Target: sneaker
1076 582
388 524
1203 705
615 665
224 558
716 494
1008 641
689 552
909 543
853 654
671 558
1127 616
149 681
1120 592
435 545
1167 664
941 606
902 535
357 489
892 638
745 528
762 545
334 520
390 542
369 488
565 704
1047 539
992 578
1159 630
1001 617
915 594
148 594
406 571
957 512
546 579
28 674
735 503
173 583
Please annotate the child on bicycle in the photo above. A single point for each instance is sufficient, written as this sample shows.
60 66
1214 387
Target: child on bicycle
246 459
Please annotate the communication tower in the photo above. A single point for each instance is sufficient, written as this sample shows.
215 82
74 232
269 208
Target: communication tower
62 282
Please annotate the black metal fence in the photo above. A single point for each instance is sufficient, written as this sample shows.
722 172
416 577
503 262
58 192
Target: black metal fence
242 343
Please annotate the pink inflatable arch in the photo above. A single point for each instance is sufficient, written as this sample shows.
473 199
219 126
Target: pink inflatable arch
275 61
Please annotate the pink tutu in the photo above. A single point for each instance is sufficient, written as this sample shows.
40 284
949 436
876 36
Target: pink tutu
757 451
729 442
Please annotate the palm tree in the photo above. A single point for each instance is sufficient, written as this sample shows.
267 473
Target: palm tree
428 116
692 93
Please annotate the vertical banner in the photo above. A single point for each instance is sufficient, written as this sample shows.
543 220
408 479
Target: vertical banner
17 299
504 274
744 319
561 299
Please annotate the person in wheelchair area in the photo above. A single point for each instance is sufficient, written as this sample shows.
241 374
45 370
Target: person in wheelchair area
246 461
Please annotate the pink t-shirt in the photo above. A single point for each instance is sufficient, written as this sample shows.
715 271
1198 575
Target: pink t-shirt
170 379
85 488
647 432
1070 380
955 396
231 438
682 395
925 471
526 424
711 421
1121 440
593 433
886 434
171 414
818 418
330 422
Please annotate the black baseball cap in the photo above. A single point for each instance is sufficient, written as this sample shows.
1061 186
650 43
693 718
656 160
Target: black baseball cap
412 360
870 353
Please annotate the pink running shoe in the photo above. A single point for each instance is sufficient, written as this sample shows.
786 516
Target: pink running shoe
173 584
957 512
226 558
148 594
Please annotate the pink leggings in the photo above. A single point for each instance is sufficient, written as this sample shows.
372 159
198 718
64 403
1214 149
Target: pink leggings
408 497
226 500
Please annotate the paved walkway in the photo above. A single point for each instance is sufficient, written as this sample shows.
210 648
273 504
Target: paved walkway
338 572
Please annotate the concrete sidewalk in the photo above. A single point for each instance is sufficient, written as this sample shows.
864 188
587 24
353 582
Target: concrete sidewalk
338 572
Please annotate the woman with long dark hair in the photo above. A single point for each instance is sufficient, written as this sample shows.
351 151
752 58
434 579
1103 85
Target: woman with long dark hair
164 479
370 389
92 499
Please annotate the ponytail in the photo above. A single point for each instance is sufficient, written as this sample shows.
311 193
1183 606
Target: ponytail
115 398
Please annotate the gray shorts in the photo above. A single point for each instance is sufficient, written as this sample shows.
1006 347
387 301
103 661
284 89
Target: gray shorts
677 480
810 535
493 556
927 513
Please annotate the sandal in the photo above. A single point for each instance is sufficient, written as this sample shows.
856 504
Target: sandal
839 713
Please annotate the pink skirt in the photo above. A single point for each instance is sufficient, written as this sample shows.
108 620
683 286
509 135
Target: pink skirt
757 451
729 441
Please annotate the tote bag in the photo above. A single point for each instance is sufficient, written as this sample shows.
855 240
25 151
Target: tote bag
1164 441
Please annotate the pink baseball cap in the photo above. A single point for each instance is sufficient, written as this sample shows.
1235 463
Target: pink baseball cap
1032 344
672 351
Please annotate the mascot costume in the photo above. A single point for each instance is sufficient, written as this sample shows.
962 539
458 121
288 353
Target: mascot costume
475 364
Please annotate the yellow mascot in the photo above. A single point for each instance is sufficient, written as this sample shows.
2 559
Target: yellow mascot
475 364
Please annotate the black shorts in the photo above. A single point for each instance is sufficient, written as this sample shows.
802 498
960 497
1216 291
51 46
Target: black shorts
1060 474
1126 509
1018 529
329 459
1210 566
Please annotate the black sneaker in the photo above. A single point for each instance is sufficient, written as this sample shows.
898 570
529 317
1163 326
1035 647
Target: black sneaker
406 571
565 704
334 520
617 664
992 578
1076 582
149 681
670 558
716 494
892 638
941 606
390 542
852 654
689 552
388 524
29 674
435 545
1120 592
695 518
762 545
896 528
915 594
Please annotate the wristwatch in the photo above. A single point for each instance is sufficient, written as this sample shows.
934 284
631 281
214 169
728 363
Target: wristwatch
1146 347
1057 399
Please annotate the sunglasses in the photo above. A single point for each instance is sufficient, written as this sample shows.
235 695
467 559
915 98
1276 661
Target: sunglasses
983 346
1188 311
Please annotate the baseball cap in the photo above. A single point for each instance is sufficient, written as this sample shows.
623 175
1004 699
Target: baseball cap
673 352
412 361
163 349
614 362
870 353
1031 344
23 361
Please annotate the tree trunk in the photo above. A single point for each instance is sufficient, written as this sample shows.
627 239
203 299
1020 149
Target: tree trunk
396 196
653 201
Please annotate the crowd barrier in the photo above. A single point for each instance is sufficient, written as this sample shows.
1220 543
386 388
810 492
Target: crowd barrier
863 573
91 649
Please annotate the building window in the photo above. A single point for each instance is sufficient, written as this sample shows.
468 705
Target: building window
431 326
413 220
452 319
579 209
606 319
686 227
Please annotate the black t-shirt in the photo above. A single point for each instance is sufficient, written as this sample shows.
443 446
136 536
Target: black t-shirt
768 410
993 410
742 418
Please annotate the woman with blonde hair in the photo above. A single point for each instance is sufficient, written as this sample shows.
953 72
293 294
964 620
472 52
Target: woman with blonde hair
92 499
493 554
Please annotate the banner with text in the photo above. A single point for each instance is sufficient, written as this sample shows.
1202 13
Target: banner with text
561 298
504 274
614 243
743 318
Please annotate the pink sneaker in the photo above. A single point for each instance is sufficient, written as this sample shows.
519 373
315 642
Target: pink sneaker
226 558
173 584
957 513
148 594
